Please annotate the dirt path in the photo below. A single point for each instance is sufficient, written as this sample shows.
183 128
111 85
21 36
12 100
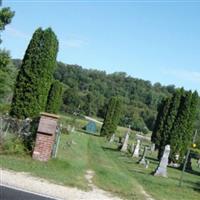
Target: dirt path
29 183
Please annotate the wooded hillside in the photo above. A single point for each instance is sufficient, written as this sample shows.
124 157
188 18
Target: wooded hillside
87 91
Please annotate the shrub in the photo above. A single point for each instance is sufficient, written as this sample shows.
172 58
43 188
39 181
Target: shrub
12 144
35 76
55 97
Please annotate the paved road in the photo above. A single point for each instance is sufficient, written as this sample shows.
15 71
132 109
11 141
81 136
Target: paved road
13 194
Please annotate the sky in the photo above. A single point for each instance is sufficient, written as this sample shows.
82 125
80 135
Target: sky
157 41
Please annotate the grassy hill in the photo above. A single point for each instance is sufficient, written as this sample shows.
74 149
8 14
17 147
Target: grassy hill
116 172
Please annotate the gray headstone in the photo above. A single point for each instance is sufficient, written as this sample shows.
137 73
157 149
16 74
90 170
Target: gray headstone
132 148
152 147
125 143
162 167
198 163
146 164
142 161
112 138
137 149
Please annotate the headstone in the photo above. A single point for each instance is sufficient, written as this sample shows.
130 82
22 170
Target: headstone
146 164
198 163
112 138
152 147
142 161
162 167
136 151
45 137
132 147
73 129
125 142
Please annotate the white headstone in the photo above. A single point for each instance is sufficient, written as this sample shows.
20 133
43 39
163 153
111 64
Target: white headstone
136 151
125 143
132 148
162 167
143 159
112 138
152 147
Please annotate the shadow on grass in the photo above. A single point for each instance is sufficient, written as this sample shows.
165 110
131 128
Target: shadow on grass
89 133
110 149
197 187
140 171
193 172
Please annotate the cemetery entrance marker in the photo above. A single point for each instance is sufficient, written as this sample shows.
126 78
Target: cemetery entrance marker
45 137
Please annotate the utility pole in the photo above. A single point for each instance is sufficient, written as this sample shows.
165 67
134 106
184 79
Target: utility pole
186 159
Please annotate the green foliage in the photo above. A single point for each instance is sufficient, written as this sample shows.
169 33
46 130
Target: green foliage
169 121
7 77
112 117
12 144
163 109
181 136
6 16
35 75
90 90
55 97
177 126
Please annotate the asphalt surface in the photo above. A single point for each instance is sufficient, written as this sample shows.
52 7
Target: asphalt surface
7 193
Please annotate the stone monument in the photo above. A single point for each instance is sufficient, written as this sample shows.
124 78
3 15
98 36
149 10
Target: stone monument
142 161
162 167
136 151
45 137
152 147
198 163
112 138
125 143
132 147
124 147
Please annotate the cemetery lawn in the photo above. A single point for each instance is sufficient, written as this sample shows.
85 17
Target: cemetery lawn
114 171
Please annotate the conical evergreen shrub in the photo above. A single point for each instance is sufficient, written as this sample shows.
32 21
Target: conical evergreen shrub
35 75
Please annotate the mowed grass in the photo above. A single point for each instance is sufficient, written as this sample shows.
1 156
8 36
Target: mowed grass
114 171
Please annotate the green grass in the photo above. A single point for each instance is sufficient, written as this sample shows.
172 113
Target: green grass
114 171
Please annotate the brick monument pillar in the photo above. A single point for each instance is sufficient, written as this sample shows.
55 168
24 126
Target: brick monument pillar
45 137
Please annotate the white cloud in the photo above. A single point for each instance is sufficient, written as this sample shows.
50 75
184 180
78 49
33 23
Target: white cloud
16 33
183 74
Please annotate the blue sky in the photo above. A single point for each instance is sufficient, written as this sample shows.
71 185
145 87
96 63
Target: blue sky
153 40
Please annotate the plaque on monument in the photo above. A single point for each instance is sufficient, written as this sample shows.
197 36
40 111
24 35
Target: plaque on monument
47 125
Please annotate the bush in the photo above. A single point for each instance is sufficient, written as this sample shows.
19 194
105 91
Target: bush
4 108
55 97
11 144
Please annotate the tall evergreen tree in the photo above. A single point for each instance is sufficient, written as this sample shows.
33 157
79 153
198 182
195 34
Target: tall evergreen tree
55 97
35 75
159 124
187 138
112 117
169 121
180 131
